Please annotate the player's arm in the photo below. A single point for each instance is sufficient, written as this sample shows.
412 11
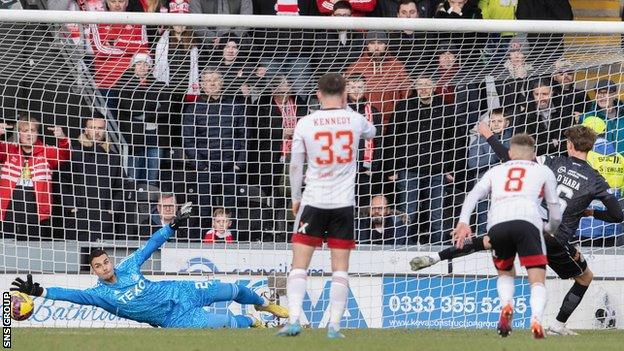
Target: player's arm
160 236
82 297
499 149
368 129
613 211
552 202
297 160
462 230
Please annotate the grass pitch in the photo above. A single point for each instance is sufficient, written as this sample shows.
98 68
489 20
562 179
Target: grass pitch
49 339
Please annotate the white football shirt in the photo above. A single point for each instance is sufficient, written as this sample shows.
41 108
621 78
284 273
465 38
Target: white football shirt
329 138
516 188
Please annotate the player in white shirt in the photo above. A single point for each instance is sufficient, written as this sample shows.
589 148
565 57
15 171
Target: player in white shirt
327 140
515 225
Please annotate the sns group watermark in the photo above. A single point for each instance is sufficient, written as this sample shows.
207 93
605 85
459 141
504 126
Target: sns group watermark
6 320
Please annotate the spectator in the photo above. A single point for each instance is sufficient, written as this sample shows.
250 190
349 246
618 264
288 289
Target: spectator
564 89
381 226
369 177
114 46
96 174
277 113
360 7
608 107
408 46
142 104
390 8
165 213
221 224
498 43
514 89
285 7
545 119
25 186
233 64
481 156
386 78
417 156
446 71
470 44
336 50
210 35
214 143
153 6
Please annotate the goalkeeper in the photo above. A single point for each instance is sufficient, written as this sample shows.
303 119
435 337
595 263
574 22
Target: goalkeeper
125 292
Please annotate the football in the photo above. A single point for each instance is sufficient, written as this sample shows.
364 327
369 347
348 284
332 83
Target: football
22 306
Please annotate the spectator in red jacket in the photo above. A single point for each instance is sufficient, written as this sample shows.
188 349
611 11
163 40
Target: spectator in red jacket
25 179
114 45
221 224
360 7
385 77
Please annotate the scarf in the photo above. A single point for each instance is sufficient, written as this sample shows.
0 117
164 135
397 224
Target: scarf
288 110
161 66
369 145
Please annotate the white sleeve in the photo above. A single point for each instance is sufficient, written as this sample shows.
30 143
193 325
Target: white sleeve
297 160
368 129
480 190
552 202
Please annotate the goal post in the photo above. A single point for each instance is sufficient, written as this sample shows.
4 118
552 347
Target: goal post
158 109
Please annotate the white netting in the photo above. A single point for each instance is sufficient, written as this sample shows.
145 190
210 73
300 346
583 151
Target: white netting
157 115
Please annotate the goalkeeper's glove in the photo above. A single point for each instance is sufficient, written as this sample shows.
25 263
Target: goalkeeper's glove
183 214
27 287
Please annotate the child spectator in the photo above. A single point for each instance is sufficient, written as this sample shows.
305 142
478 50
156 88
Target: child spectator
221 224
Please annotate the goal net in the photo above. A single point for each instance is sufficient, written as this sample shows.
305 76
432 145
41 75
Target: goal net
112 120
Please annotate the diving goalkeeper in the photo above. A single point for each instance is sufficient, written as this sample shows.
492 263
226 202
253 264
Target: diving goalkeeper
125 292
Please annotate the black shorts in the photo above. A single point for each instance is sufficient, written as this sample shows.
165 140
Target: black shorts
561 258
521 237
315 225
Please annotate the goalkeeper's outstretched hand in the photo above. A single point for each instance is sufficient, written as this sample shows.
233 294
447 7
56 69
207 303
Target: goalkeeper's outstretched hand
27 287
183 214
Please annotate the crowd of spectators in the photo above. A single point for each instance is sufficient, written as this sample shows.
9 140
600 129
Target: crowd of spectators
229 98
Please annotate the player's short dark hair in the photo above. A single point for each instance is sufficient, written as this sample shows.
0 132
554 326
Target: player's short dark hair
342 4
522 139
332 84
96 253
582 137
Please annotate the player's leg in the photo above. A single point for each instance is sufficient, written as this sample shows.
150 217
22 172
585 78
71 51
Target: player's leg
532 252
567 262
211 292
200 318
340 239
470 246
310 228
504 253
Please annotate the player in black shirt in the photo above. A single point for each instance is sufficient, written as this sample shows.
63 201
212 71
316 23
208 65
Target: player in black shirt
578 185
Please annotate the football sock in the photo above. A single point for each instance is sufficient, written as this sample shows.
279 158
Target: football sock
505 286
295 290
470 246
571 301
246 296
241 322
338 294
538 300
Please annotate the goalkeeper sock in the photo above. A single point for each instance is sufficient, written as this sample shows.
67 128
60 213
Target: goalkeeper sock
538 300
338 294
505 286
241 321
571 301
296 289
246 296
470 246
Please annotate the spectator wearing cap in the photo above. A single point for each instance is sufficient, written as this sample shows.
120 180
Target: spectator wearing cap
409 46
564 89
360 8
608 107
336 50
385 76
143 103
231 59
212 35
